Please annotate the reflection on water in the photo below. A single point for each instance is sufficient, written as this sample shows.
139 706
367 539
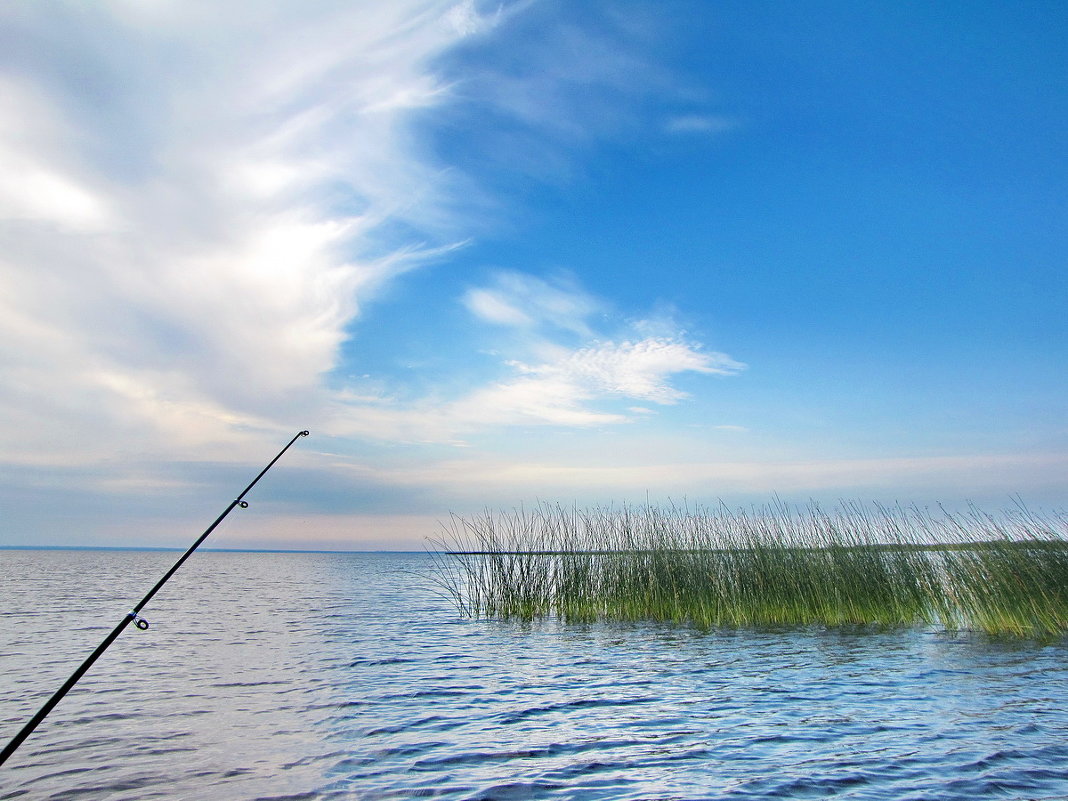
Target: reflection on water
331 676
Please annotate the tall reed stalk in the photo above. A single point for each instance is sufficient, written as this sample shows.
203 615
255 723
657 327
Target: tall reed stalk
1004 574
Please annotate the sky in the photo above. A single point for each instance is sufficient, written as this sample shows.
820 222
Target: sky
496 254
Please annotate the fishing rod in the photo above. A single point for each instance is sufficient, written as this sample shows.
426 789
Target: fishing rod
133 616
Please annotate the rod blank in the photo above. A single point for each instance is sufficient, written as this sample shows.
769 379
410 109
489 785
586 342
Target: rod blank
132 616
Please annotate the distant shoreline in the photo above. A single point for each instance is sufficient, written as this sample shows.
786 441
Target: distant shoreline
178 550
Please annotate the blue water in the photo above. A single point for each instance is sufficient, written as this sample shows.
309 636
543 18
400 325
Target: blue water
343 676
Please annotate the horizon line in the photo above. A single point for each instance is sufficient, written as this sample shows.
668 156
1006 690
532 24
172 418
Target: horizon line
163 548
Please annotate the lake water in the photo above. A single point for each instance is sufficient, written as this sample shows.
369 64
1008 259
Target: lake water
342 676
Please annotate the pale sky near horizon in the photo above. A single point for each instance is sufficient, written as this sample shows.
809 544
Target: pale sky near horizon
495 254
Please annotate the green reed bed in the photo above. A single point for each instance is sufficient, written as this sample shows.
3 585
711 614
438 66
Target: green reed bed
1004 574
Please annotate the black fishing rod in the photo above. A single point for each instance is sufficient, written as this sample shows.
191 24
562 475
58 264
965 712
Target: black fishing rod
133 616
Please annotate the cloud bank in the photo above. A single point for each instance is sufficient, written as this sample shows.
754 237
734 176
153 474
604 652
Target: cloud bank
196 199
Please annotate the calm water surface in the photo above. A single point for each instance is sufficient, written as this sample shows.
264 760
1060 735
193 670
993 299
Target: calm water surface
342 676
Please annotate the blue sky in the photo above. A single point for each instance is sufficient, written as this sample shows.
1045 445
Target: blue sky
492 254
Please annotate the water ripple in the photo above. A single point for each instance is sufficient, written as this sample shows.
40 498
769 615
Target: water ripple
384 693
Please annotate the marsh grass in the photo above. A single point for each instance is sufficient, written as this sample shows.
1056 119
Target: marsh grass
1004 574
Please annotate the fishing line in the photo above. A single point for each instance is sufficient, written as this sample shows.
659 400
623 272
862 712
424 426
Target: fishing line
133 616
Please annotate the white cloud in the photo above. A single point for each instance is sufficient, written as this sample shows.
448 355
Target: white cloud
565 391
465 18
541 400
561 372
638 370
494 308
699 124
561 384
526 301
36 181
568 390
196 200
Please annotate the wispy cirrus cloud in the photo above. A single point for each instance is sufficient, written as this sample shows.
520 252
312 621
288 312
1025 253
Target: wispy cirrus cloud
561 366
530 302
572 388
637 370
197 199
699 124
558 382
633 358
580 388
